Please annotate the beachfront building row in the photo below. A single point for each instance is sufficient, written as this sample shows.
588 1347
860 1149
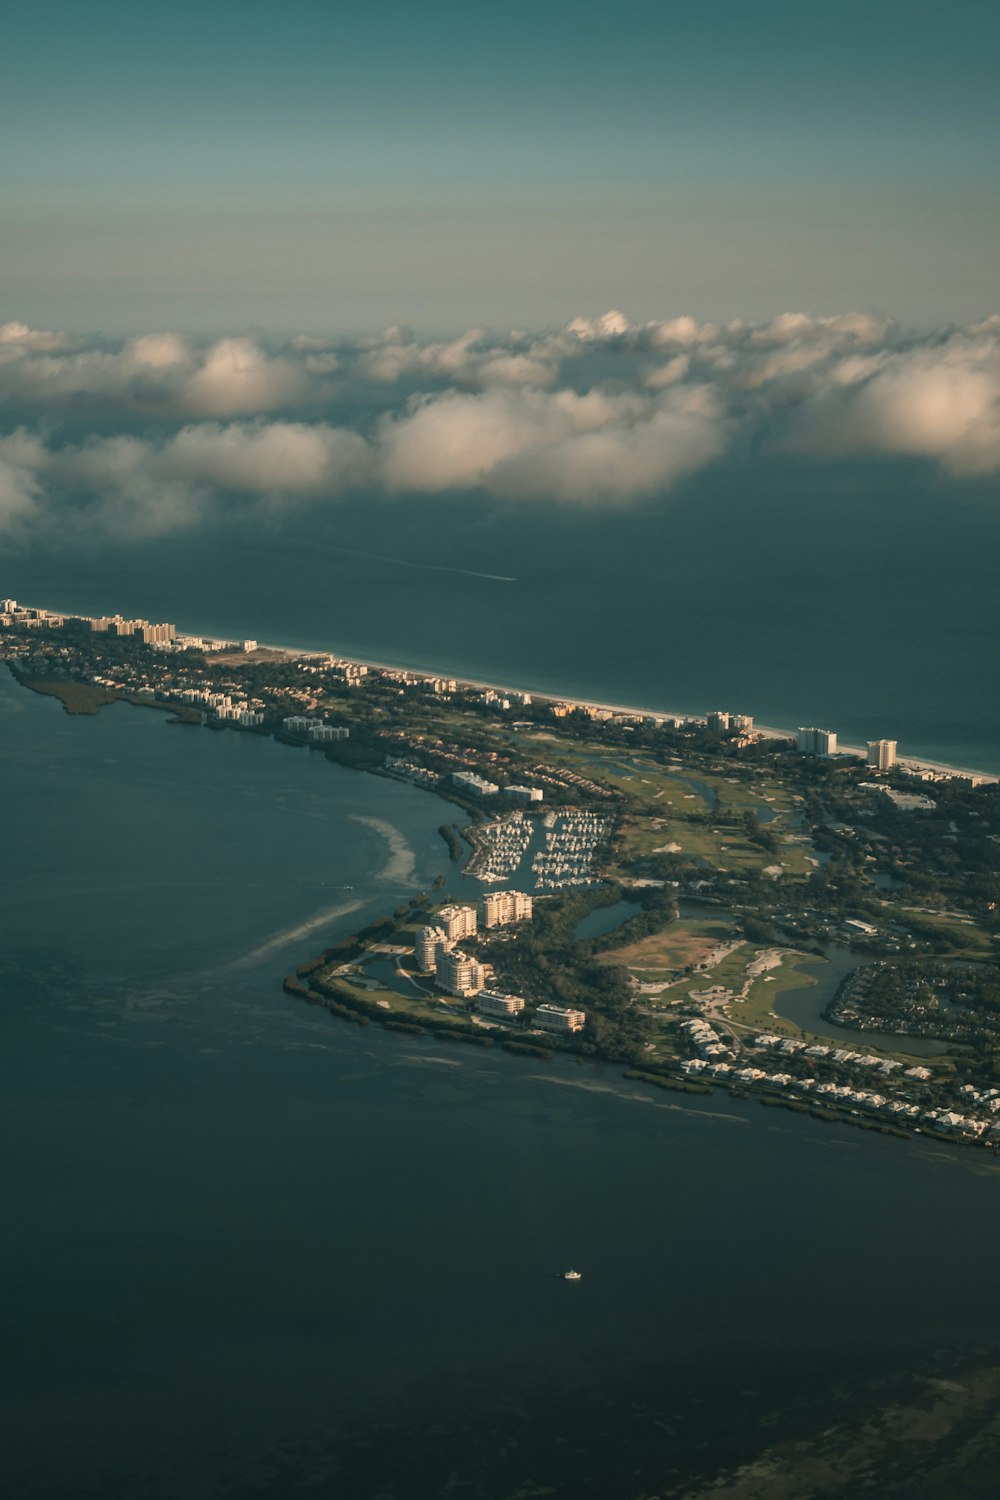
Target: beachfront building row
882 754
816 741
142 630
727 723
501 907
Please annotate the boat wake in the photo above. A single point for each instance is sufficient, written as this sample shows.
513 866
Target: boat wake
403 562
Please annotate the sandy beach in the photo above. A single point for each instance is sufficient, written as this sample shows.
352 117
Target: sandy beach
768 731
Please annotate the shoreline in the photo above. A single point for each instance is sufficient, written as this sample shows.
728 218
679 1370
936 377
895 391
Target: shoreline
766 731
545 695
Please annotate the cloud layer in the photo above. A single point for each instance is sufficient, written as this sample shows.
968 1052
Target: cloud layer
160 433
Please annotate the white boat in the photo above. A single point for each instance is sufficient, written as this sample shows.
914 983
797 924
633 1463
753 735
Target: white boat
572 1275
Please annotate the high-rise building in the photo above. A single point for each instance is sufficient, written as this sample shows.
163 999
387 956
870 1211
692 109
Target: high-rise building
458 922
459 974
430 941
718 721
501 907
816 741
882 754
154 635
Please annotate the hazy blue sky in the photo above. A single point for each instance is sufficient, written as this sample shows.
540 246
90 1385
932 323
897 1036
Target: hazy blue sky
331 165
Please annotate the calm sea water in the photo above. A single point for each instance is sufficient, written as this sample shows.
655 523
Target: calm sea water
860 598
250 1250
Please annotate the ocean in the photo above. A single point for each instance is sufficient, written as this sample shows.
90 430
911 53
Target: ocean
859 598
251 1250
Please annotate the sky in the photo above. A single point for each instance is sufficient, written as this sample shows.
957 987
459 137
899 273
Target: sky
229 165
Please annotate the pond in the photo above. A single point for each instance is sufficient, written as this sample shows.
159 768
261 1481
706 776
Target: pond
385 972
805 1004
605 919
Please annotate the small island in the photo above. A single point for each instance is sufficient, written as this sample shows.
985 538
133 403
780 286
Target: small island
705 904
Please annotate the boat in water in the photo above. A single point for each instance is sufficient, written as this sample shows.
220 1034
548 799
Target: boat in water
572 1276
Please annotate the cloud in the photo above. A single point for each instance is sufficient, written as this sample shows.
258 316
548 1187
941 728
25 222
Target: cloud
473 359
940 403
560 445
159 432
237 376
20 491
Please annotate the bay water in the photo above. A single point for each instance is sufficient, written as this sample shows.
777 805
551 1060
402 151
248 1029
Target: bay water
249 1249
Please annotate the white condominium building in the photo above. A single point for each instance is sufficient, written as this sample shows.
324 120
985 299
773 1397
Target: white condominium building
468 781
501 907
524 793
459 974
430 941
816 741
458 922
882 754
559 1018
493 1004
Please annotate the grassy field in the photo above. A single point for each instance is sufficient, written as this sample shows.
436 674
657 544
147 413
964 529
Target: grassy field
755 1012
663 954
971 938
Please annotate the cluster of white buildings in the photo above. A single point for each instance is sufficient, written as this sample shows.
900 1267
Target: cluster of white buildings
727 723
717 1060
142 630
316 730
571 839
436 948
224 706
23 617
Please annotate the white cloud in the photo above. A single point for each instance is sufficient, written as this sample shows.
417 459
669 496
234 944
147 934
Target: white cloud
601 411
559 445
19 337
940 403
610 325
238 377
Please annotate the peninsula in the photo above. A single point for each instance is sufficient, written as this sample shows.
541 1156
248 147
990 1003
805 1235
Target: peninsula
662 892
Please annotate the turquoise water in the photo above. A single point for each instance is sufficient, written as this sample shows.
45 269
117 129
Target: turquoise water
251 1250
